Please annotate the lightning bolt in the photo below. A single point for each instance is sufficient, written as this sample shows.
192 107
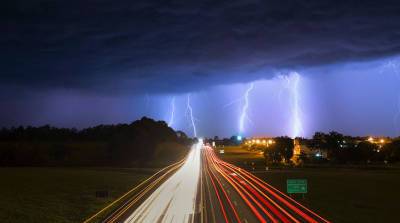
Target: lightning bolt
192 119
293 80
297 124
397 116
391 65
147 99
171 118
245 107
394 66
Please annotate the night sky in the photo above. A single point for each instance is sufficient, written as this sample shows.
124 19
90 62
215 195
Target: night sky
315 65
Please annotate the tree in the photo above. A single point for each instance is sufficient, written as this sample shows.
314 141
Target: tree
319 140
330 142
392 151
285 146
282 149
121 144
365 151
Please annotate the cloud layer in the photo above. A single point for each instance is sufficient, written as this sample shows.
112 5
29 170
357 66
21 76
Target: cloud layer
113 47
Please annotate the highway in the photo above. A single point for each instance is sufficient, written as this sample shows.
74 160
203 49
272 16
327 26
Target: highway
206 189
235 195
175 199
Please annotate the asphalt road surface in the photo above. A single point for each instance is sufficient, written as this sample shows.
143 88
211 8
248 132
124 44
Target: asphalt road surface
235 195
207 189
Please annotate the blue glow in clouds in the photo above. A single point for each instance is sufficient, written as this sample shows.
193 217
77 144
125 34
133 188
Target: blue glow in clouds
190 111
171 118
354 98
245 107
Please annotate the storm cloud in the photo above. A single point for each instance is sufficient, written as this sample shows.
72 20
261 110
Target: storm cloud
132 47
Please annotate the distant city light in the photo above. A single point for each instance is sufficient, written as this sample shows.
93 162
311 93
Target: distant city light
239 138
264 141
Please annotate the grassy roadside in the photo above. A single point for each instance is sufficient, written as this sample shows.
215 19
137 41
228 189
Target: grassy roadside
61 194
345 195
241 157
338 194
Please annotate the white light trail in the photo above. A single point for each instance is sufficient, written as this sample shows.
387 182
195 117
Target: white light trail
192 120
171 118
293 81
245 107
175 199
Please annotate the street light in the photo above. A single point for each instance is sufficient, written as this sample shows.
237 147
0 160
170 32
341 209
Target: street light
264 141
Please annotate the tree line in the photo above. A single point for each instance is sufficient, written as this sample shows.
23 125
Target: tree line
347 149
131 144
332 147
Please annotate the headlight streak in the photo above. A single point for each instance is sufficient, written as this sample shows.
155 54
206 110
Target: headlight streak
159 176
192 119
171 118
175 199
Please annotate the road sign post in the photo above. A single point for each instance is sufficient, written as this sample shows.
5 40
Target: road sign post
296 186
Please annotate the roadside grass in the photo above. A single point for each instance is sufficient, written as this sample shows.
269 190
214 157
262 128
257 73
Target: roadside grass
241 157
61 194
346 195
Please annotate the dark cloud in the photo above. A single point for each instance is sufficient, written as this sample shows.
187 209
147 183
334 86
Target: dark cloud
157 46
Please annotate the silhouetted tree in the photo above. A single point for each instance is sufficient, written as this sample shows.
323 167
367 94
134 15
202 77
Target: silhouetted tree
364 152
281 149
391 151
122 144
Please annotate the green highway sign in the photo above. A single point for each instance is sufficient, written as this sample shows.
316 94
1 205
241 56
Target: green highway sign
296 186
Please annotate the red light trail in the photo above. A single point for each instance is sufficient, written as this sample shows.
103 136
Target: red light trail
265 202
